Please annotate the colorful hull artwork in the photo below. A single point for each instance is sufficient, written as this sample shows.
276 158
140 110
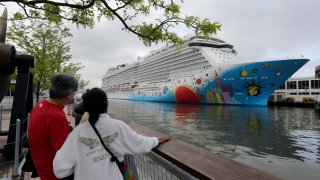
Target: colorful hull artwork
238 84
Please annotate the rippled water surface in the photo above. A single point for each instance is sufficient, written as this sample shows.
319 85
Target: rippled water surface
280 140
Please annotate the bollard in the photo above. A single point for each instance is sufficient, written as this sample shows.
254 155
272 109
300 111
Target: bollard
16 151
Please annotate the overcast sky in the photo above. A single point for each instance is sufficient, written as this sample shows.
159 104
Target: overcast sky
258 30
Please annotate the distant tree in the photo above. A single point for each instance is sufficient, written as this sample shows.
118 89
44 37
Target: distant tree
46 41
128 12
74 68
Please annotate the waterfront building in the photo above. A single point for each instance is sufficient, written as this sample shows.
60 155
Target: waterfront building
298 89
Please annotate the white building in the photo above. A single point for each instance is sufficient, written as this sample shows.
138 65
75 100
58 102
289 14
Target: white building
299 89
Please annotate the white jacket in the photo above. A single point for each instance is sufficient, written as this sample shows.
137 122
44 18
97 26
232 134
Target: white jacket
83 154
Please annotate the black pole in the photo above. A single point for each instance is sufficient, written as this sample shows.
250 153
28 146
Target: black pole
24 63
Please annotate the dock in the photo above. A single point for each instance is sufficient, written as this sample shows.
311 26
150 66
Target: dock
292 104
186 160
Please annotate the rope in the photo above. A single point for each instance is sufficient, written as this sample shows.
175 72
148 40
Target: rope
20 140
7 163
21 122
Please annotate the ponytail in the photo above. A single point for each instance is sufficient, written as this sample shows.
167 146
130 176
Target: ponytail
95 102
93 118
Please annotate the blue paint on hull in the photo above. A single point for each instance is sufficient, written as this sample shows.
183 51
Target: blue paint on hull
242 84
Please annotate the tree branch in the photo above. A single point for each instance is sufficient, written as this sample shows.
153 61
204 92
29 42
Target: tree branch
33 3
124 22
123 6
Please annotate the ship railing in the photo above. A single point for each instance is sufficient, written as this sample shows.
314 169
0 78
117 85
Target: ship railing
187 71
261 59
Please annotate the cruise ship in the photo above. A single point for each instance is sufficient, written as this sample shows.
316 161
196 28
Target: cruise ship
203 70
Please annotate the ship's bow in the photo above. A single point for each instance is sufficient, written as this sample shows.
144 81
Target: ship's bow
252 83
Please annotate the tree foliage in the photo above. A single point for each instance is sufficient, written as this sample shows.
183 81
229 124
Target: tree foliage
47 42
128 12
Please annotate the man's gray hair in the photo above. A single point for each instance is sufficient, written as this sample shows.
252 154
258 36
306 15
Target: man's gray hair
61 85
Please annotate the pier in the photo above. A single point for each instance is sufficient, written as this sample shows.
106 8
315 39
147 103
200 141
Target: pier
292 104
177 160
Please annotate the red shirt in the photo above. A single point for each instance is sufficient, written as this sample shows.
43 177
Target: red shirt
48 129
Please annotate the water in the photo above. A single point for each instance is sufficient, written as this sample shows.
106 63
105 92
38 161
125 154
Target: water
280 140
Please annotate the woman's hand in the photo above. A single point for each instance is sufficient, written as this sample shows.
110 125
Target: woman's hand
163 139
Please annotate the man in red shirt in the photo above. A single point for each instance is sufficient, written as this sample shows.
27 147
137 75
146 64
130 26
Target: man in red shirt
48 124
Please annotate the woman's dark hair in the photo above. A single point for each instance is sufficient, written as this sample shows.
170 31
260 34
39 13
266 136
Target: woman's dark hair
95 102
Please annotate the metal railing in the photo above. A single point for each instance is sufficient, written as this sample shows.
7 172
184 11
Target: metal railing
11 169
153 167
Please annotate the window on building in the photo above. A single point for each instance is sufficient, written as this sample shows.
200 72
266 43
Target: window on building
293 93
303 84
315 93
283 86
304 93
279 97
315 84
291 85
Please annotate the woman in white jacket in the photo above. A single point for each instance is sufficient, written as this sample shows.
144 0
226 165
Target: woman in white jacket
82 152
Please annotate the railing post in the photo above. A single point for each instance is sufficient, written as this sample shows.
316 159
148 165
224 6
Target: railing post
27 128
16 150
1 109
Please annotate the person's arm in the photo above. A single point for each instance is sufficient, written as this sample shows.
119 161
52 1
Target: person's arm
135 143
65 159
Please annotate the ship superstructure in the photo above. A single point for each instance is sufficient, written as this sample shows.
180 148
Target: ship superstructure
204 70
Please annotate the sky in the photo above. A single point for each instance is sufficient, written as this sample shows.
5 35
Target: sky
259 30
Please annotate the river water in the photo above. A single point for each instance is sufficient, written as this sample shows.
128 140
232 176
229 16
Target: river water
281 140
